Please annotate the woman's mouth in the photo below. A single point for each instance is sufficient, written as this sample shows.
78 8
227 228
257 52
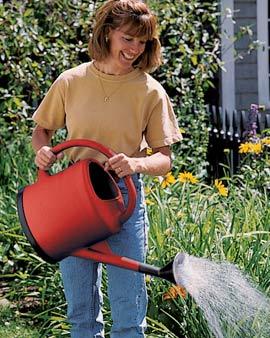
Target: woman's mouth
128 56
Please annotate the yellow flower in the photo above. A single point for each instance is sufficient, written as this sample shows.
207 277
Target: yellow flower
182 130
266 141
147 190
168 231
149 151
244 148
147 279
249 147
221 188
180 214
149 202
167 180
174 292
257 148
187 177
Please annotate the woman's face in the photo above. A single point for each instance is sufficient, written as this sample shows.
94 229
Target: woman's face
124 49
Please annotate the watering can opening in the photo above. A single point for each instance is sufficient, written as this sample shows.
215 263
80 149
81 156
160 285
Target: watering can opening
102 182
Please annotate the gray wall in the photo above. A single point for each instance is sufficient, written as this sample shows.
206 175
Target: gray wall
246 79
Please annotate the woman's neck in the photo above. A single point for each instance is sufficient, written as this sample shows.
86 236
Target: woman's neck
109 69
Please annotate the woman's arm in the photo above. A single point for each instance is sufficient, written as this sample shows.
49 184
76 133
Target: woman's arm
41 140
157 164
41 137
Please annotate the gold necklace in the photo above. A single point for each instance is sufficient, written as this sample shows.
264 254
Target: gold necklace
107 97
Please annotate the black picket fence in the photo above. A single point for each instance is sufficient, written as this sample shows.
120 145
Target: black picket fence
227 130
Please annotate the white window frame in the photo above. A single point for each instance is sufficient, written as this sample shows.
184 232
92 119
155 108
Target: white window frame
262 53
227 55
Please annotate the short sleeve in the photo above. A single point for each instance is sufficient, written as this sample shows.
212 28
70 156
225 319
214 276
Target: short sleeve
162 127
51 112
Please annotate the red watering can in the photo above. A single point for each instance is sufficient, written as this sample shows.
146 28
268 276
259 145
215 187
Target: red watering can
73 212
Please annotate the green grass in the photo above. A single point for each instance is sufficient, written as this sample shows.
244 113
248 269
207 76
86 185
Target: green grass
11 326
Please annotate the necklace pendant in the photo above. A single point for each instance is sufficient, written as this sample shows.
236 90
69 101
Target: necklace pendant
106 98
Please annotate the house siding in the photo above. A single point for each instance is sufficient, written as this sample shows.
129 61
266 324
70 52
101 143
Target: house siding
246 77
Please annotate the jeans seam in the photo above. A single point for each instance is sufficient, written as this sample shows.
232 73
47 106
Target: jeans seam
142 286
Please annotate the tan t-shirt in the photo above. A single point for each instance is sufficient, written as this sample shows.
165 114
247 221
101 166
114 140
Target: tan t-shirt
138 108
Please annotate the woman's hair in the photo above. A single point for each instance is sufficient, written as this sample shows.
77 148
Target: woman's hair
140 21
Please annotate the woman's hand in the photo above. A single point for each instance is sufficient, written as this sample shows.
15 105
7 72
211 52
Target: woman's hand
157 164
45 158
122 165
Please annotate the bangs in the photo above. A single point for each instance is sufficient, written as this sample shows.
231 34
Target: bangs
140 26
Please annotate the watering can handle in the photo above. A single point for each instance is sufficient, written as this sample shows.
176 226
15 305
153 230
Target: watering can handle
109 153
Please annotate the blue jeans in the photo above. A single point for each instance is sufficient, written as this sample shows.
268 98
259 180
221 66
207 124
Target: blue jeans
126 289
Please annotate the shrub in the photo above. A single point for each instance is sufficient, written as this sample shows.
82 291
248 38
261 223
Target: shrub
39 40
189 34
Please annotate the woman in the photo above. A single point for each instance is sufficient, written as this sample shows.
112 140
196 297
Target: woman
112 100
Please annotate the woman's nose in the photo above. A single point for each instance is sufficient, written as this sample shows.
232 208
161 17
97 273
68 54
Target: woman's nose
136 47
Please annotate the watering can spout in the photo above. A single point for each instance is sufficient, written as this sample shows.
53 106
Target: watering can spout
170 272
165 273
103 254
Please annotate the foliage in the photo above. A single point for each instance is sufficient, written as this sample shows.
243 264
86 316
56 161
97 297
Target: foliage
203 221
13 327
189 34
255 162
254 151
32 285
38 40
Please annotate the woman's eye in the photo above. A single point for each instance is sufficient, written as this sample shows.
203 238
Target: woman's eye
127 38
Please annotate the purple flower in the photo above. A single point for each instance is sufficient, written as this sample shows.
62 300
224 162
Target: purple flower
251 129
